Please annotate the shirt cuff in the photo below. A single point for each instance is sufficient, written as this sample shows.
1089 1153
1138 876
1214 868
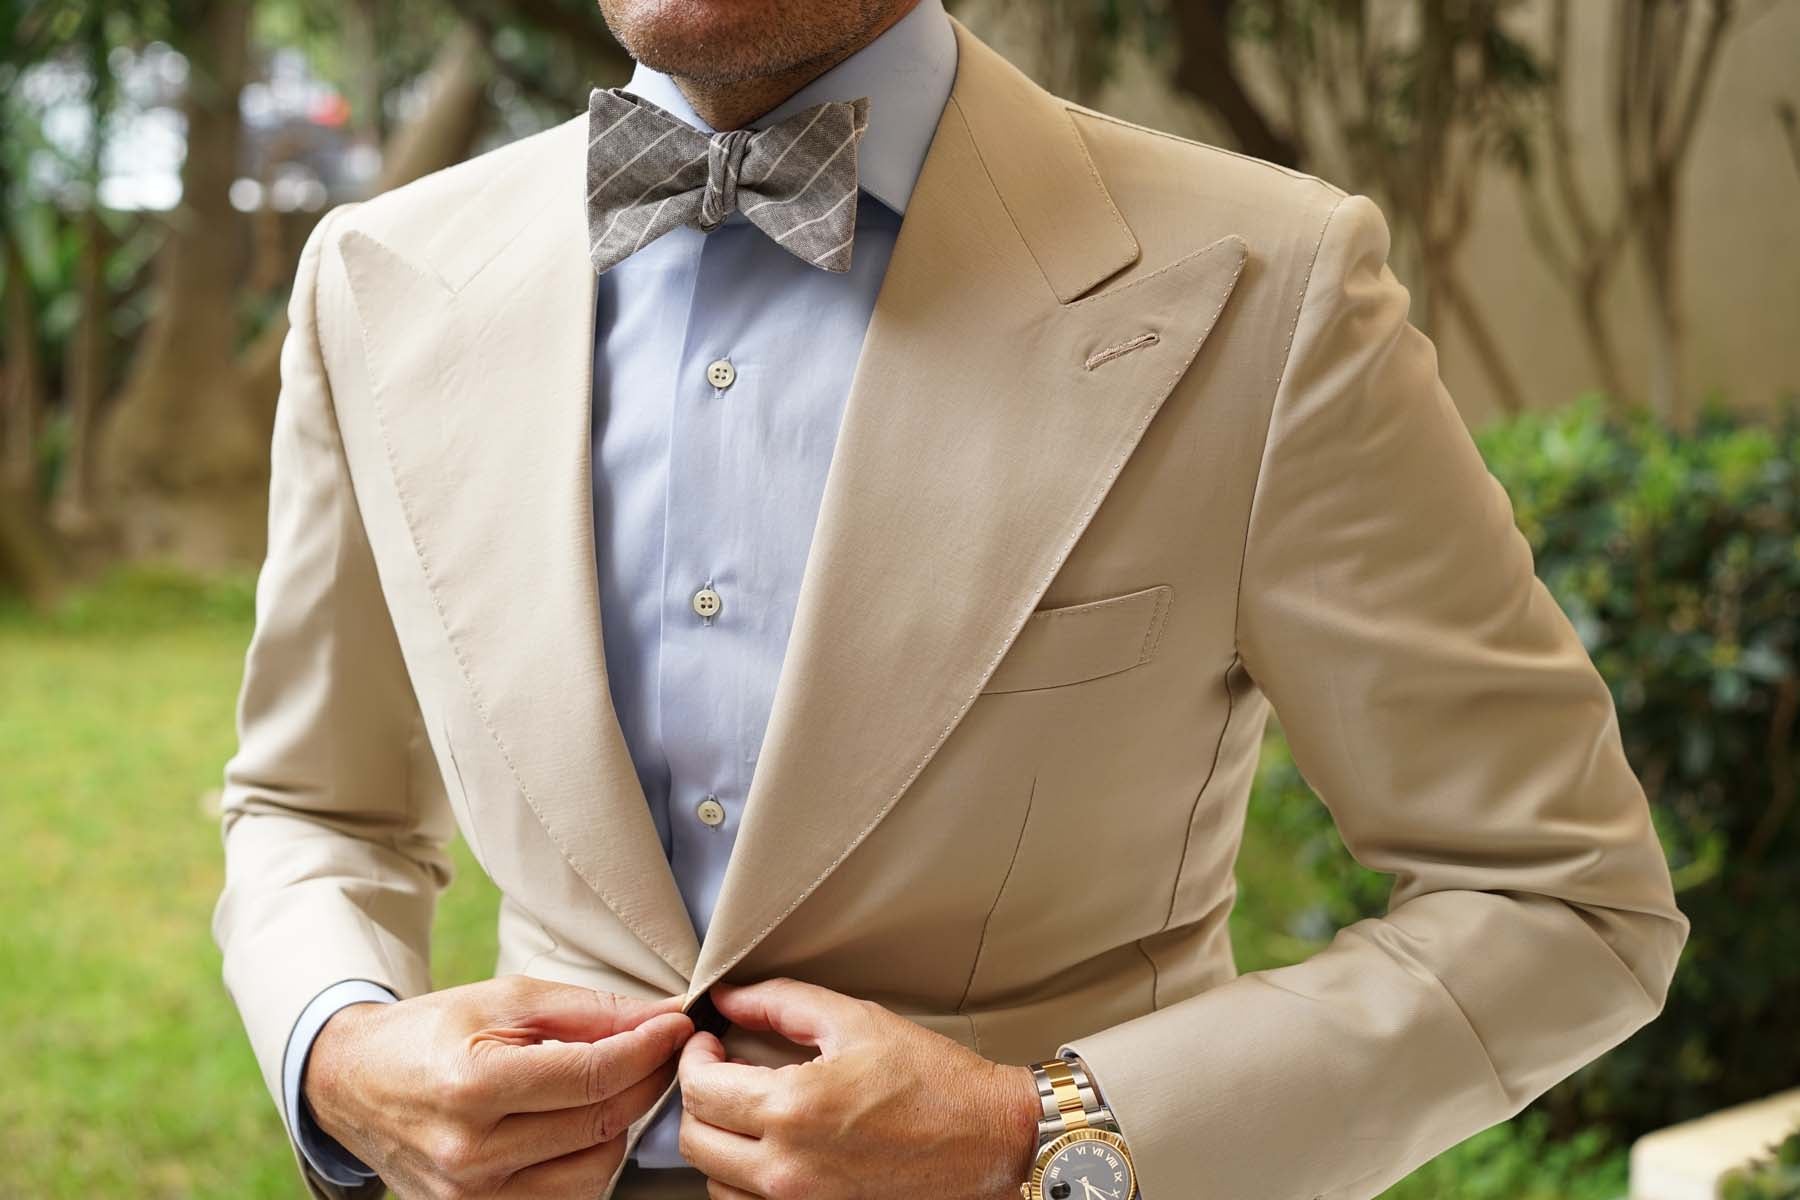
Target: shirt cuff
322 1151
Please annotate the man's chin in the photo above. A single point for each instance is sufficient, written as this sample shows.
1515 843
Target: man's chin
724 42
716 41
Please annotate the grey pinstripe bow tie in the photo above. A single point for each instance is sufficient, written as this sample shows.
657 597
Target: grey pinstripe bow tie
649 171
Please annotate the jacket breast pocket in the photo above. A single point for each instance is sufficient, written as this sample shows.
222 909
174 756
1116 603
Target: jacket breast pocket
1078 642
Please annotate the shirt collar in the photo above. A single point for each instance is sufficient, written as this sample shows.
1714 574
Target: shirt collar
906 73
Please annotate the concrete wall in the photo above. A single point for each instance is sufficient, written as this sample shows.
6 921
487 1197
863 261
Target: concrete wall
1740 249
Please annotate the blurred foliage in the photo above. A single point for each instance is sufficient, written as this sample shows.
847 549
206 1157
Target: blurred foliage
139 602
1677 558
399 36
1773 1177
1519 1160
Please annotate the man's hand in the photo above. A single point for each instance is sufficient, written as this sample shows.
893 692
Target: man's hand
515 1087
887 1107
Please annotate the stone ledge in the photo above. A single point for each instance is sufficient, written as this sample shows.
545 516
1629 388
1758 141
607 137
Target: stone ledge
1686 1161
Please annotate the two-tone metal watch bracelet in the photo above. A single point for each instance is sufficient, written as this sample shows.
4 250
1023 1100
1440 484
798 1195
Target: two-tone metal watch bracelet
1069 1098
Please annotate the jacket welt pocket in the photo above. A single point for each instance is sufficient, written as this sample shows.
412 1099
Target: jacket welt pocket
1079 642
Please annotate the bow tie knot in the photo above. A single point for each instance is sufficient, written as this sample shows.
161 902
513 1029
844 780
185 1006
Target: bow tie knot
724 160
649 171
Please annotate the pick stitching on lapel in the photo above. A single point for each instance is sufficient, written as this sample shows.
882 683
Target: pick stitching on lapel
480 369
974 450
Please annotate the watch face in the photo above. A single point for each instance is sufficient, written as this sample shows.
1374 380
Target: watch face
1089 1164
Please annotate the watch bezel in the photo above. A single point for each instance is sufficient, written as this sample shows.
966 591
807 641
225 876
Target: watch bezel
1034 1186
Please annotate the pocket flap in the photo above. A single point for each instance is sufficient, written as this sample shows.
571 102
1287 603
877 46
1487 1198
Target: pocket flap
1078 642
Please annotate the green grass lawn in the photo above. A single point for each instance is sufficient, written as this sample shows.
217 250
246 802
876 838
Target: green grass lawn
123 1069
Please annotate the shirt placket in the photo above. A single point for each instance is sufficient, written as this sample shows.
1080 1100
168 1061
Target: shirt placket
709 610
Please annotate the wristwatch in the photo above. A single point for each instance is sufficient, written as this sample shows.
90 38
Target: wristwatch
1081 1154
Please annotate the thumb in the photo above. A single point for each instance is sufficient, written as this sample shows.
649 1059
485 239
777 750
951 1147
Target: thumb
565 1012
701 1050
800 1012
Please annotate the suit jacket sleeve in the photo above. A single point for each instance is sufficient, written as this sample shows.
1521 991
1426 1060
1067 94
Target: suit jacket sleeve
1449 718
334 815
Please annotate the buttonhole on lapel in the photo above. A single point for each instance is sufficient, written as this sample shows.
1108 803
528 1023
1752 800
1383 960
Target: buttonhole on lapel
1146 338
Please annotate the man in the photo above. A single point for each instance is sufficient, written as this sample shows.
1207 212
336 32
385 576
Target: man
961 474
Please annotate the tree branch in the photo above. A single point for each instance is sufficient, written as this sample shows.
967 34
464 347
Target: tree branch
1205 69
1699 81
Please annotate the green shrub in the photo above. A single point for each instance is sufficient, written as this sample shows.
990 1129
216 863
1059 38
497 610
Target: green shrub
1518 1160
1677 558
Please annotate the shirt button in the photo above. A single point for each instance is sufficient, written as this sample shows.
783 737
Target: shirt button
708 602
710 812
720 373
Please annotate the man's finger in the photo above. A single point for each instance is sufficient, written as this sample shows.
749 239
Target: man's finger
523 1139
724 1191
800 1012
723 1094
544 1076
560 1010
731 1158
583 1173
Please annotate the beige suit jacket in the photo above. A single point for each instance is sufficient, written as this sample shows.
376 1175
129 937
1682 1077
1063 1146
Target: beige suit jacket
1140 444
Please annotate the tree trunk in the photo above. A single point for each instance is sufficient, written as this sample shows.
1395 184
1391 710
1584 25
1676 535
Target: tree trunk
29 564
21 373
1590 307
85 376
1661 92
1789 117
445 130
1206 71
1461 305
181 465
1655 236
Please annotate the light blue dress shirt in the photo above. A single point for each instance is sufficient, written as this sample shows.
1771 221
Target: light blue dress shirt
698 485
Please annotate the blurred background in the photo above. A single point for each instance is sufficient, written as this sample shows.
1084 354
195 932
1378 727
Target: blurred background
1596 206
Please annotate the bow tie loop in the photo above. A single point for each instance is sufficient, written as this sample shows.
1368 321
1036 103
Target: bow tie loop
649 171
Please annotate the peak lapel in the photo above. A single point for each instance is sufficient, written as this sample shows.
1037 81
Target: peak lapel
975 446
480 349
